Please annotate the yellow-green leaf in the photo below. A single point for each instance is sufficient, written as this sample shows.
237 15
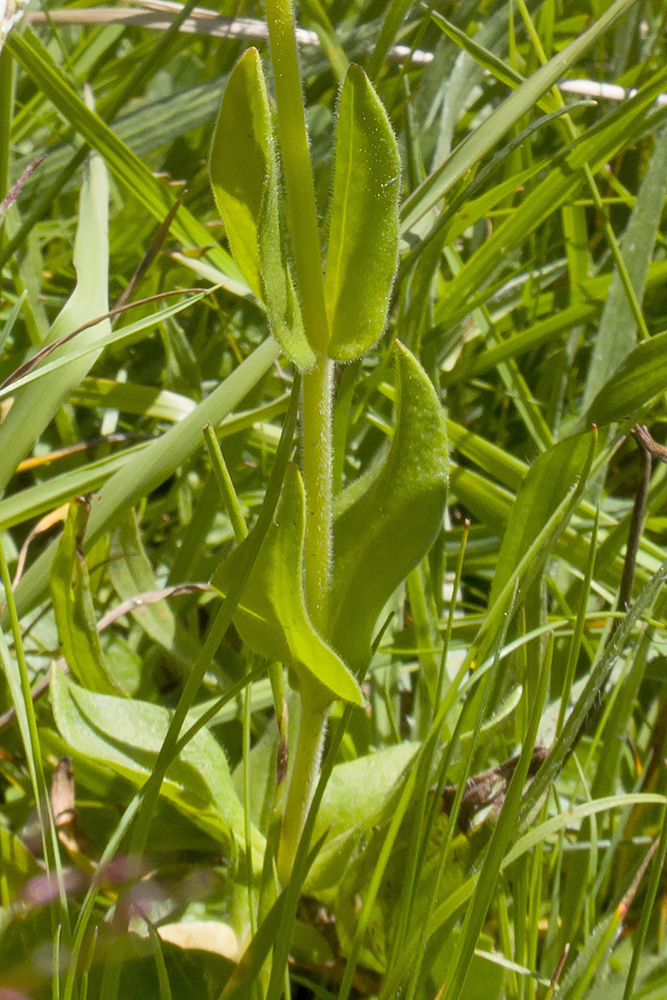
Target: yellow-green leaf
271 616
73 605
387 521
244 177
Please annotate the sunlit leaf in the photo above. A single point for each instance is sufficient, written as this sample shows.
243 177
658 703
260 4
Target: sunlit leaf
73 605
363 233
271 616
548 481
640 378
244 177
387 521
126 734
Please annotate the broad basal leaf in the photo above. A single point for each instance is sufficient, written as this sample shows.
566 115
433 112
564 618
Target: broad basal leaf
387 521
244 177
363 234
271 616
126 734
359 797
73 605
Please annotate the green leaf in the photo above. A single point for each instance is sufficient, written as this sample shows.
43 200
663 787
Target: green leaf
131 573
240 160
547 483
363 236
154 464
641 377
360 796
35 406
271 616
73 605
133 174
617 333
387 521
359 791
493 128
594 148
244 178
126 734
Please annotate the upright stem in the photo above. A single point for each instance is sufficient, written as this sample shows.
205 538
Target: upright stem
312 726
6 103
298 171
317 410
317 466
317 477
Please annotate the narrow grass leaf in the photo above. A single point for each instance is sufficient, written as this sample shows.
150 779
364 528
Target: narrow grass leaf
594 148
73 605
547 483
77 350
537 834
33 408
153 465
497 124
134 175
502 834
616 335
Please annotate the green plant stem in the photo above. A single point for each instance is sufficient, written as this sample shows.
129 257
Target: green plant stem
317 410
298 172
312 727
6 109
317 478
6 103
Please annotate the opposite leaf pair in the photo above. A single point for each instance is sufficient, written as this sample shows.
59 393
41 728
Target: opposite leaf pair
363 230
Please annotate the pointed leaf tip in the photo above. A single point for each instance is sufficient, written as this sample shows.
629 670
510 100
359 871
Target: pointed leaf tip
387 521
244 176
363 236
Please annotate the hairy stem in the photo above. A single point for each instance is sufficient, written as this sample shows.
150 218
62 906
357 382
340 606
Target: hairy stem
317 466
312 727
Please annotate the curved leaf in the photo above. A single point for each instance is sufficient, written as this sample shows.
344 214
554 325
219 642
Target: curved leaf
616 335
547 483
271 616
73 605
34 406
387 521
363 235
240 160
244 178
641 377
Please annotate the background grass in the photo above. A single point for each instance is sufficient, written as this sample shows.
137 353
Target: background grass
531 286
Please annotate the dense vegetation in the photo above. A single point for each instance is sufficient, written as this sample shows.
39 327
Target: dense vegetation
352 692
